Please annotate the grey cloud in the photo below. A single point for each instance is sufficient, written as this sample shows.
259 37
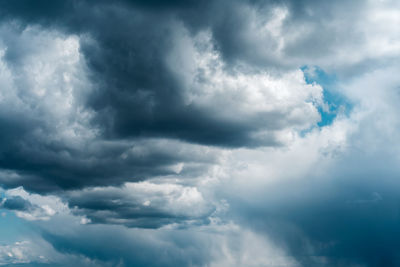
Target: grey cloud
133 248
146 205
143 85
101 164
346 212
47 141
136 93
24 208
325 224
127 101
16 203
208 246
123 91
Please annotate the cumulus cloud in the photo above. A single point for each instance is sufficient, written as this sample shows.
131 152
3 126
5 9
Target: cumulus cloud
18 253
142 204
335 204
49 141
32 207
194 133
66 118
151 80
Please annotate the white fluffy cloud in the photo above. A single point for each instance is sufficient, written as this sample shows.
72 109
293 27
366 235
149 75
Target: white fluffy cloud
276 105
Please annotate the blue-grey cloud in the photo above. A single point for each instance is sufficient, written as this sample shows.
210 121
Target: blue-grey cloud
185 133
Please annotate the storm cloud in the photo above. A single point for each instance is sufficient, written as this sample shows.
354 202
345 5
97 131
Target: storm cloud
199 133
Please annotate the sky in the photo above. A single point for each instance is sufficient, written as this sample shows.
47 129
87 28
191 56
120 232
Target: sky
200 133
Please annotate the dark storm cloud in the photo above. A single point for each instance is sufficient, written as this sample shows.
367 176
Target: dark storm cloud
139 95
36 153
135 93
139 125
50 169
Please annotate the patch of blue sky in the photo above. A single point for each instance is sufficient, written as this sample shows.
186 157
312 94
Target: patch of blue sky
12 228
335 101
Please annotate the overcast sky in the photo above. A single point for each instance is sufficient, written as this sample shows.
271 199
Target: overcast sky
200 133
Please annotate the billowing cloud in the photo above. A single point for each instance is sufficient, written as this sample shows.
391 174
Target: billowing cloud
199 133
142 205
